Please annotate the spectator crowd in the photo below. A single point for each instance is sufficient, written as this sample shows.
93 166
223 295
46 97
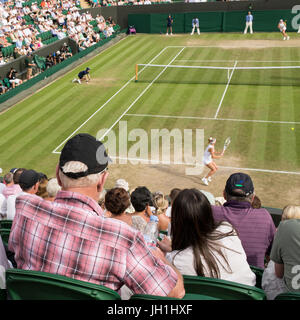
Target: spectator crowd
28 26
72 216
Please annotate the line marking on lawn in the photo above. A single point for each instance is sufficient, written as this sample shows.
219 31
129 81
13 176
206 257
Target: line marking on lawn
207 118
267 61
146 161
141 94
226 88
100 108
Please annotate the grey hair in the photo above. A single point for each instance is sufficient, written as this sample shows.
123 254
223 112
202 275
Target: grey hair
52 187
77 166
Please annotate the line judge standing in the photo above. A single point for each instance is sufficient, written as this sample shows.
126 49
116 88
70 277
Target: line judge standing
249 19
195 24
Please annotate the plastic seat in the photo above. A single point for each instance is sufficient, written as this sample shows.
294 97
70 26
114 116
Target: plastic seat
5 224
258 272
37 285
288 296
4 233
188 296
222 289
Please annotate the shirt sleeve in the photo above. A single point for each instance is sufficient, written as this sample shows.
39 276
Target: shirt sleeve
145 274
276 250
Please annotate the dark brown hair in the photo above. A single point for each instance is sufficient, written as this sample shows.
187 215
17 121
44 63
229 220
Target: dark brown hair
193 225
17 174
173 194
117 200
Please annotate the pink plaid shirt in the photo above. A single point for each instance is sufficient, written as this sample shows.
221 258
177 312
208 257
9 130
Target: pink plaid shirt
71 237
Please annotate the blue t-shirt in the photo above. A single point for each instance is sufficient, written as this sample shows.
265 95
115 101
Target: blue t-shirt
82 73
195 22
169 21
249 18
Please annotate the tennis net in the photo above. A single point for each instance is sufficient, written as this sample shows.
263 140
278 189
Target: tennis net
272 75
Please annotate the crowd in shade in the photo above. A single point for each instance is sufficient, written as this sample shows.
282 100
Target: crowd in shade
200 234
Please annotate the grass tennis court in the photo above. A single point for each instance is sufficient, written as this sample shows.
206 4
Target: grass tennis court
256 108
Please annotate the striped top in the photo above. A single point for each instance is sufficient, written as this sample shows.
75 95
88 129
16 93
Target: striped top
71 237
255 227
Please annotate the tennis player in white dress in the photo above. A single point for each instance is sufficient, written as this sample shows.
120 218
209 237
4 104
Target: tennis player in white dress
282 28
208 159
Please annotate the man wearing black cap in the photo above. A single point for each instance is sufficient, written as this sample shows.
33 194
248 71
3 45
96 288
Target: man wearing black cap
72 237
83 75
255 227
29 183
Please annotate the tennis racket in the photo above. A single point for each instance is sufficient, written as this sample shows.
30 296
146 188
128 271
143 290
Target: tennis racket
226 143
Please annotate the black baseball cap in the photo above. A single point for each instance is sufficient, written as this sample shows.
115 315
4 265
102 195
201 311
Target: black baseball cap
28 179
87 149
238 182
87 69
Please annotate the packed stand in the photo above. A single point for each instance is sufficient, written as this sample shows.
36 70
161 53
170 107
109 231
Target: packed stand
188 232
28 26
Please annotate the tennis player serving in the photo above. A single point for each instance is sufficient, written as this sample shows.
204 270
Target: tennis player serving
282 28
208 158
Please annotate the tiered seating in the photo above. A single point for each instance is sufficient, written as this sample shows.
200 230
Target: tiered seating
36 285
8 51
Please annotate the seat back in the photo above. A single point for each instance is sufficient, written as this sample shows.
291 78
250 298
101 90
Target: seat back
5 224
188 296
221 289
288 296
4 233
259 273
37 285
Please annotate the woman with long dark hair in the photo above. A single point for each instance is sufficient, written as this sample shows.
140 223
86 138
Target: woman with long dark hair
200 245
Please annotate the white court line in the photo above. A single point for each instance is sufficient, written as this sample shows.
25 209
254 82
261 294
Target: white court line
141 94
226 88
148 161
124 86
207 118
267 61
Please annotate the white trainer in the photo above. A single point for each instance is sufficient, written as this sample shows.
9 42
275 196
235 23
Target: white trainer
288 38
171 33
284 38
209 179
79 81
74 80
204 180
167 34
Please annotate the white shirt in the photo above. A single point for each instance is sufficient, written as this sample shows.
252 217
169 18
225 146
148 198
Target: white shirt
2 187
207 158
282 26
234 253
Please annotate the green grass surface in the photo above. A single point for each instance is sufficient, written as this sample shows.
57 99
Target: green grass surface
32 129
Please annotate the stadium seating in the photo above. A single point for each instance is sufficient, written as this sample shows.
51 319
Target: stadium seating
45 35
7 83
288 296
36 285
8 51
5 224
222 289
258 272
4 233
188 296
